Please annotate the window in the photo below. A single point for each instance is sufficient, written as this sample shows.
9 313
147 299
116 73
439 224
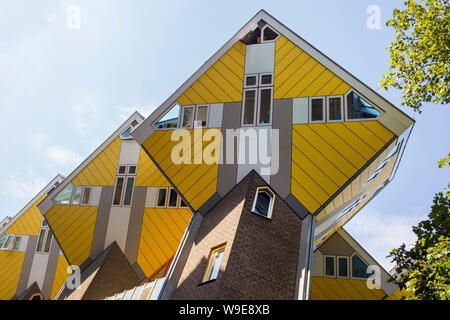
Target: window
126 133
73 195
359 267
263 203
317 110
214 262
76 198
65 195
10 242
126 175
201 115
86 195
257 102
45 238
268 34
342 266
170 119
162 197
187 116
198 113
335 108
169 198
329 266
3 238
358 108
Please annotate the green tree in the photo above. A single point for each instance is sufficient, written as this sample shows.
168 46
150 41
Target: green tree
420 54
424 270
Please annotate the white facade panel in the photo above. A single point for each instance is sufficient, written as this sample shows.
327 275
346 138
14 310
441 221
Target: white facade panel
300 110
118 226
215 115
260 58
129 153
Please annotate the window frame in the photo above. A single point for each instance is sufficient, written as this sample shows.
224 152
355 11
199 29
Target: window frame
168 199
351 267
328 108
165 113
268 87
347 119
337 267
255 106
271 203
47 232
323 98
325 266
209 269
262 34
196 114
165 198
183 108
125 176
257 87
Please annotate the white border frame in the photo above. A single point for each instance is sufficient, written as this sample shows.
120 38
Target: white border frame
196 114
251 75
259 105
125 176
166 197
265 74
182 115
381 111
323 109
328 108
271 203
153 125
273 29
255 107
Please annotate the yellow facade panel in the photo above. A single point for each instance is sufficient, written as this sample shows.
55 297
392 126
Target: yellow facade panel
61 276
10 269
101 171
29 223
74 227
162 230
148 175
228 70
328 288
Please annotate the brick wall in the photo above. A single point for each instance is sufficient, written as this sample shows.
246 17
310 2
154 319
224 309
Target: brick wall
260 259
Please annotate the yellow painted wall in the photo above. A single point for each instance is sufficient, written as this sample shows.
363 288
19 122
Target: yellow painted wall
326 155
60 276
197 182
101 171
222 82
10 269
29 222
325 288
399 294
297 74
74 227
148 175
162 230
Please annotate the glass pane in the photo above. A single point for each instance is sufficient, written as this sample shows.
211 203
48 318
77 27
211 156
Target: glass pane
44 223
215 264
122 169
358 108
316 110
86 195
266 79
202 115
8 242
250 80
262 205
269 34
182 204
359 268
64 196
48 241
335 109
132 169
126 133
77 195
118 193
329 266
187 116
264 107
170 119
3 239
128 191
173 196
16 243
249 106
40 240
161 198
343 267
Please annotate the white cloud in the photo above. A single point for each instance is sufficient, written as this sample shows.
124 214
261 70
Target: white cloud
378 233
25 186
62 156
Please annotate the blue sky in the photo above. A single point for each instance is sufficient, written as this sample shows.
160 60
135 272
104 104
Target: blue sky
63 91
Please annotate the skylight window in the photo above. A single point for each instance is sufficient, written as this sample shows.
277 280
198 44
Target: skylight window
358 108
170 119
268 34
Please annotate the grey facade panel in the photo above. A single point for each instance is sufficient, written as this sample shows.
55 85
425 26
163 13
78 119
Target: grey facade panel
50 271
282 121
209 204
26 265
295 205
101 223
135 224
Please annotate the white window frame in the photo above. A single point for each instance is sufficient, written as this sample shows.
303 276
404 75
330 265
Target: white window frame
271 203
273 29
351 267
183 108
166 201
256 82
255 107
328 108
196 114
259 105
125 176
260 79
323 109
10 245
168 110
325 266
179 203
367 100
82 195
337 267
